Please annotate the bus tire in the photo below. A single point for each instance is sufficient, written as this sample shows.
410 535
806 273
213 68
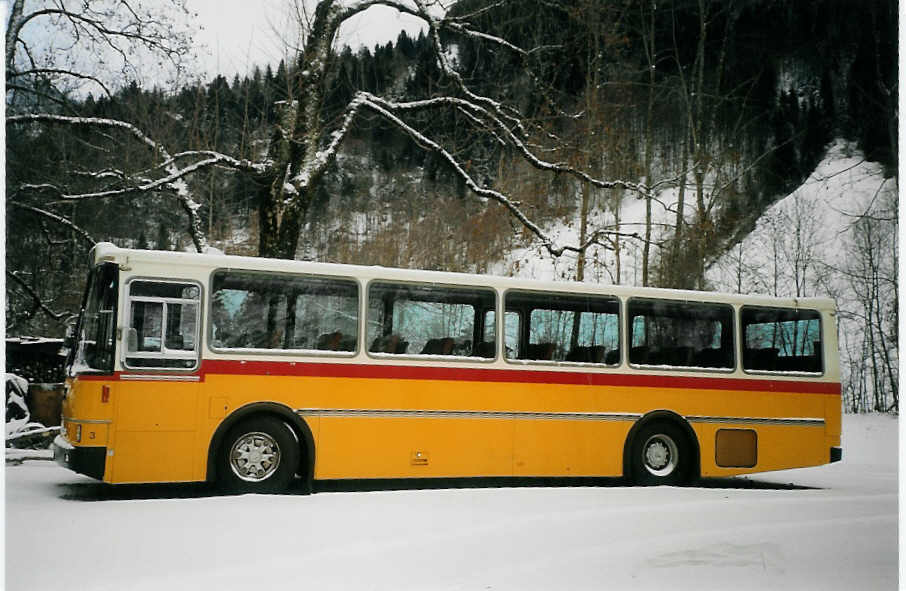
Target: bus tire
260 455
661 455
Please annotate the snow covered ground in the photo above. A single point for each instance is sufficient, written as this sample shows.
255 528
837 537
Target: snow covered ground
832 527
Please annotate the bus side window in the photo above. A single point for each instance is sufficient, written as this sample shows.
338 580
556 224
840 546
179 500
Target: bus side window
563 327
680 334
427 319
781 340
252 310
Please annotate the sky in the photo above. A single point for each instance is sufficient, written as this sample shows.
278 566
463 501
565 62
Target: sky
235 38
232 37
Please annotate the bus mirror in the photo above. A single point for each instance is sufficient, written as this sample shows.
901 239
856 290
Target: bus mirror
132 340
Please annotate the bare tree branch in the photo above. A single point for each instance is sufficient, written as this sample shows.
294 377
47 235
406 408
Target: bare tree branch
56 218
173 181
58 316
11 75
494 122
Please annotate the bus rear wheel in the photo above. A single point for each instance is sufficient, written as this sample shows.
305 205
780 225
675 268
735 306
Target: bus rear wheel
260 454
660 455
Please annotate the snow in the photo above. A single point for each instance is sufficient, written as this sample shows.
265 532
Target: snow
830 527
16 392
824 209
842 187
810 243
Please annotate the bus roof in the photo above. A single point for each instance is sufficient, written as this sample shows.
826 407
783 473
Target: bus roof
107 252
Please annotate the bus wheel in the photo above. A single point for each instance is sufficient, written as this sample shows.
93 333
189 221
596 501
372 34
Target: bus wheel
260 454
660 455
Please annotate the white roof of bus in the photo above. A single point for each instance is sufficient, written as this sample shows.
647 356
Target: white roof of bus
105 251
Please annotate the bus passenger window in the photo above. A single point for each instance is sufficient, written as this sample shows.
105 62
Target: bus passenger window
781 340
680 334
415 319
278 311
163 325
563 327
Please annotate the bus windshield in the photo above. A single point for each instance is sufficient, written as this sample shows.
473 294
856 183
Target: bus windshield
97 323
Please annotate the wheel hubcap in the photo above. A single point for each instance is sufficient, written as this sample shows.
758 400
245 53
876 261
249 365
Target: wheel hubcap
660 455
254 457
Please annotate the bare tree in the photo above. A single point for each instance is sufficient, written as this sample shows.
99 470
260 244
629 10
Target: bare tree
800 248
107 43
304 143
871 271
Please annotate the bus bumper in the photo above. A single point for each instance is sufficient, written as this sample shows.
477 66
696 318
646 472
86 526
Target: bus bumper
836 454
84 460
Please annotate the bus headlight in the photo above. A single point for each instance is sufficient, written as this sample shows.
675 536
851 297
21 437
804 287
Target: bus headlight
78 433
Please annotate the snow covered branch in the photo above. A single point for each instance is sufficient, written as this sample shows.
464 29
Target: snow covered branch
63 316
492 122
378 106
56 218
174 180
317 162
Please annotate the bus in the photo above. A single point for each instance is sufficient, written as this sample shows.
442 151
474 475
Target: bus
253 372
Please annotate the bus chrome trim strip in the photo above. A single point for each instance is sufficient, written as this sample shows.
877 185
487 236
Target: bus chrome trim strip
528 415
87 421
808 422
158 378
466 414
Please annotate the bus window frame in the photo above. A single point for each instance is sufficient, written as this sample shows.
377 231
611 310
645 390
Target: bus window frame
523 329
768 372
209 324
418 356
734 335
127 324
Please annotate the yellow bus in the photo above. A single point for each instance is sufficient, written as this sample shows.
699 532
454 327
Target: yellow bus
251 372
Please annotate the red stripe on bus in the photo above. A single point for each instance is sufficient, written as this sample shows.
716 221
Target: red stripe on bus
463 374
467 374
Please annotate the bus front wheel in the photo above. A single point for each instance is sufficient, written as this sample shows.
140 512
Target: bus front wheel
660 455
260 454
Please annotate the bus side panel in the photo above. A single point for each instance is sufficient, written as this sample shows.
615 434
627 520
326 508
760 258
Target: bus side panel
552 444
154 432
553 447
365 447
779 447
380 447
411 444
468 447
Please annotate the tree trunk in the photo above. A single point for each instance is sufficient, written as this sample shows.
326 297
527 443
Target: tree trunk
280 222
583 231
649 146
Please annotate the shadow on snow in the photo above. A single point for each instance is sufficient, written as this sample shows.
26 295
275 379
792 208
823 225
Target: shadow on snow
98 491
